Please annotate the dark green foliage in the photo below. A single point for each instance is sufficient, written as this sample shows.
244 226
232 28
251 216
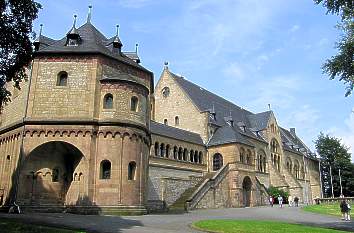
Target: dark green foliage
275 192
333 153
15 45
341 66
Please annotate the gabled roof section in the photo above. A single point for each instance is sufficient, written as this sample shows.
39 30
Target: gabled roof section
293 143
259 121
91 41
228 134
172 132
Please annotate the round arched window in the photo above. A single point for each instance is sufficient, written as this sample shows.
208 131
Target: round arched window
165 92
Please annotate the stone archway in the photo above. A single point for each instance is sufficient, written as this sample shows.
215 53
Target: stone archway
246 191
47 174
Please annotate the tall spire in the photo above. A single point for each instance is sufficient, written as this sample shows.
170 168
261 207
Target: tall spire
75 17
89 14
116 42
37 41
40 30
136 48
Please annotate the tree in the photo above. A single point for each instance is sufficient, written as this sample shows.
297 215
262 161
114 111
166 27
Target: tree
15 44
334 154
275 192
342 65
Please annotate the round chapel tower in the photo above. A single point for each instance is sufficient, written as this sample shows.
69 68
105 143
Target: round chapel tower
86 126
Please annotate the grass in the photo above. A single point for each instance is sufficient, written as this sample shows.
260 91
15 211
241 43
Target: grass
329 209
11 226
255 226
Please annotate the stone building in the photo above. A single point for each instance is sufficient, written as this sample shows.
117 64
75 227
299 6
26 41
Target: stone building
89 132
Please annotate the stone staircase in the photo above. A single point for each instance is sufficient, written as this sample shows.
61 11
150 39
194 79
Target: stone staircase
180 204
295 187
277 179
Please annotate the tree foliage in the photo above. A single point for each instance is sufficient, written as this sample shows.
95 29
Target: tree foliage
341 66
334 154
16 17
275 192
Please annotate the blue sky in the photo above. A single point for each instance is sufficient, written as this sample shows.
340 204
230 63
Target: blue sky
252 52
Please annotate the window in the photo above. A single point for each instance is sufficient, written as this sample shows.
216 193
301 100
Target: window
62 79
191 156
217 161
157 149
55 175
165 92
134 104
242 155
176 120
167 151
131 170
200 157
165 121
108 101
8 157
105 169
175 152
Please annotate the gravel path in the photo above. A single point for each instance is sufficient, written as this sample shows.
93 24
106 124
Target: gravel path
169 223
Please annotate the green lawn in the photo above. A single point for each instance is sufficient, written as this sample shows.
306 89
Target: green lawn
255 226
330 209
11 226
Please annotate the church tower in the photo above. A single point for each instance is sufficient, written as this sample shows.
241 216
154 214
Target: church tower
85 126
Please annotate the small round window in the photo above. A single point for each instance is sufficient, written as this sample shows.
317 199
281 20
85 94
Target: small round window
166 92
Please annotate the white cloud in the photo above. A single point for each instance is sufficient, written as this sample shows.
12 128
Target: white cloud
234 72
294 28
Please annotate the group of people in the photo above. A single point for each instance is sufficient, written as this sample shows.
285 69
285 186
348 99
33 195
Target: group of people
291 201
345 209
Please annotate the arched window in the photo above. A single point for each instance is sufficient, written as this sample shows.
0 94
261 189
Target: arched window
62 79
175 153
217 161
200 157
191 156
167 151
242 155
162 150
134 104
180 152
196 156
55 175
131 170
249 157
105 169
176 121
165 121
108 101
157 149
165 92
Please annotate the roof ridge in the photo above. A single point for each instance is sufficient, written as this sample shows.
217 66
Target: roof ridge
174 127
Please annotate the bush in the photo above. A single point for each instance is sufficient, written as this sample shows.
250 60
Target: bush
275 192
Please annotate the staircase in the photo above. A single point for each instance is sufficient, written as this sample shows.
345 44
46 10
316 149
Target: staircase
291 180
277 179
180 204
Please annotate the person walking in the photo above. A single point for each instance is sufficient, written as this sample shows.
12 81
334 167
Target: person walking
296 200
271 201
344 210
348 212
280 200
290 201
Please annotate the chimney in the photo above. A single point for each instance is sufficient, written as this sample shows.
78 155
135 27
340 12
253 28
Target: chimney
292 131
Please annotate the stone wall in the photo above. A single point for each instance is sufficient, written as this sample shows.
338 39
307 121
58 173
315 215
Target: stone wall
161 178
178 104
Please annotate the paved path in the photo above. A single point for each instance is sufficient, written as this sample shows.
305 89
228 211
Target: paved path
179 223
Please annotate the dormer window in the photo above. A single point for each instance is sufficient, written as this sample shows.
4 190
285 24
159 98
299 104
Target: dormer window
166 92
72 42
62 79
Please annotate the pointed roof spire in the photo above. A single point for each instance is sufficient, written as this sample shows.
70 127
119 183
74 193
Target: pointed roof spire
73 30
116 42
165 65
89 14
40 34
136 48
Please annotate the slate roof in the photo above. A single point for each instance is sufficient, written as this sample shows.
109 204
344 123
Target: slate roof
92 41
225 110
172 132
228 134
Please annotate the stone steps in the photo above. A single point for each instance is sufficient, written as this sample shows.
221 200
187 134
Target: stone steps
180 204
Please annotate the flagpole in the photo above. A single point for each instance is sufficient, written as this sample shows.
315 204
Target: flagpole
330 173
340 182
